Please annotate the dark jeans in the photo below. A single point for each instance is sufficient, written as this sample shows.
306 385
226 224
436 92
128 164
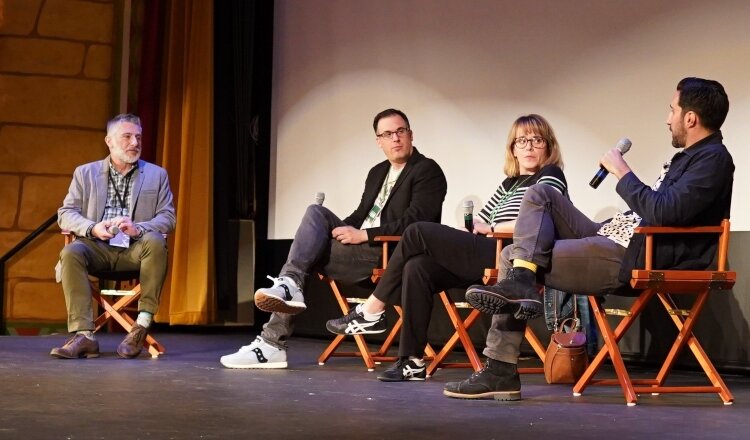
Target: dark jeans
430 258
562 241
313 249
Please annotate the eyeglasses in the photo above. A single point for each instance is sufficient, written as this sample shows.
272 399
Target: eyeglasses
537 142
401 132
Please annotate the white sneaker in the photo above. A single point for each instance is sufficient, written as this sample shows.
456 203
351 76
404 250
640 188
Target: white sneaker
259 354
283 297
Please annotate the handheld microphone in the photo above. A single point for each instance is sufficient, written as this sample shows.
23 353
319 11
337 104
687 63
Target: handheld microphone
319 198
469 215
622 146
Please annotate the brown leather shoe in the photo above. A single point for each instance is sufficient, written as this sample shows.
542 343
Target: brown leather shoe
132 345
77 346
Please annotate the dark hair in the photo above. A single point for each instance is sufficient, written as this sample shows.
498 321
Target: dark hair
386 113
123 117
706 98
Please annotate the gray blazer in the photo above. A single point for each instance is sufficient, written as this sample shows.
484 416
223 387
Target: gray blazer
152 208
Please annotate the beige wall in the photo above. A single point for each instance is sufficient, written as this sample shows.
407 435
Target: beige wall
56 65
599 70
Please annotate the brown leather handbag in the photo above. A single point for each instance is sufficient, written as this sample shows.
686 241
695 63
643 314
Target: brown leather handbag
566 358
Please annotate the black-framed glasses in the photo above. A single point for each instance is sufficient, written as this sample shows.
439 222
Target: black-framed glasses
400 132
537 142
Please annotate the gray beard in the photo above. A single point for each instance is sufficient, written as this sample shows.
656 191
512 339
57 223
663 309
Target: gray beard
123 157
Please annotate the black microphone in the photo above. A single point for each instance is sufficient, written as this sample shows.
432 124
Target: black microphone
469 215
319 198
622 146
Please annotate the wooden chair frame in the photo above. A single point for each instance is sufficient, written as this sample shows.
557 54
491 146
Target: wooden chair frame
117 310
662 284
370 358
462 326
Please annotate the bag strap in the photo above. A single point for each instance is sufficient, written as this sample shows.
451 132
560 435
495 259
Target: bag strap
559 326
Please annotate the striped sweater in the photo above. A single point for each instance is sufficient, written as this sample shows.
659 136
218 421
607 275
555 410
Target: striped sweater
505 203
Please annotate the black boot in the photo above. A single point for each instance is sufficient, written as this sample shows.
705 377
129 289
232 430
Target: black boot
497 380
516 294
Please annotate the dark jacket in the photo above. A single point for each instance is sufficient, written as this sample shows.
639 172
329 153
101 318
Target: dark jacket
417 196
696 191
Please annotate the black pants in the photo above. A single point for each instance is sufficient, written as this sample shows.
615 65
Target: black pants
430 258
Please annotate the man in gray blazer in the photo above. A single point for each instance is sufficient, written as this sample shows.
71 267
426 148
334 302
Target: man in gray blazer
119 208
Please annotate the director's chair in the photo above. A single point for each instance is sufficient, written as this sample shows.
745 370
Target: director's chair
125 286
664 284
370 358
462 325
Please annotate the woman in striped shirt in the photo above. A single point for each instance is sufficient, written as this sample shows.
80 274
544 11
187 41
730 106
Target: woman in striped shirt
432 257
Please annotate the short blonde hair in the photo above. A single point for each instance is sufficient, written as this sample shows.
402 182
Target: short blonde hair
535 124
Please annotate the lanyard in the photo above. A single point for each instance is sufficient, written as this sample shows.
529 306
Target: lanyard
124 198
507 196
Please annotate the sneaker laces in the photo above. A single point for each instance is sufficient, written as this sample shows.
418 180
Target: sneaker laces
276 281
401 362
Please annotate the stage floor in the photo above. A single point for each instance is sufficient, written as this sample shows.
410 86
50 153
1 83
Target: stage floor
187 394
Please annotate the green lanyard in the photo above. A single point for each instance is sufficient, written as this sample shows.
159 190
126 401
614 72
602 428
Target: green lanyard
510 193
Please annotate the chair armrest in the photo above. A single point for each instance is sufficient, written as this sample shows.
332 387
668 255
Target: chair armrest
679 230
385 239
500 235
650 231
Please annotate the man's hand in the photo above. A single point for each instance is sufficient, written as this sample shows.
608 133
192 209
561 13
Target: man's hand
349 235
101 230
614 163
126 225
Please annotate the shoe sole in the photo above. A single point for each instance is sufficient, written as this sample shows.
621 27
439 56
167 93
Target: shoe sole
388 379
505 396
492 303
269 303
82 355
336 331
125 356
265 366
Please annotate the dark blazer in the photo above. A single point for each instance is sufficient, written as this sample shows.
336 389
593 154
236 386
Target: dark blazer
696 191
417 196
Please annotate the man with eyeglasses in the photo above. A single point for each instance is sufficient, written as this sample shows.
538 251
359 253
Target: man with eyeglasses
558 246
405 188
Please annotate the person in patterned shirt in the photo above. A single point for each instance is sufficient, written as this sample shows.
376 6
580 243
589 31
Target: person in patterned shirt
432 257
558 246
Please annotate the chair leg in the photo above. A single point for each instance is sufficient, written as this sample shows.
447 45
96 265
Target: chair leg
112 311
368 357
686 337
611 349
461 327
539 349
632 387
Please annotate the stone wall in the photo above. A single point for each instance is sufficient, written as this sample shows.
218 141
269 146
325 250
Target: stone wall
56 89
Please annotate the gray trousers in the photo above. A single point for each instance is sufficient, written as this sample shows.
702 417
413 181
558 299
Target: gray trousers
84 256
314 249
553 234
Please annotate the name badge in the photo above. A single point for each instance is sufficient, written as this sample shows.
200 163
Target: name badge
120 240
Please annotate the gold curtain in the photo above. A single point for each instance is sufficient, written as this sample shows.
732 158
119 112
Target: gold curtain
185 147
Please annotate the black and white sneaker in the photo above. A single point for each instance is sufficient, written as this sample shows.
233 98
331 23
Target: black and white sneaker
404 369
354 323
